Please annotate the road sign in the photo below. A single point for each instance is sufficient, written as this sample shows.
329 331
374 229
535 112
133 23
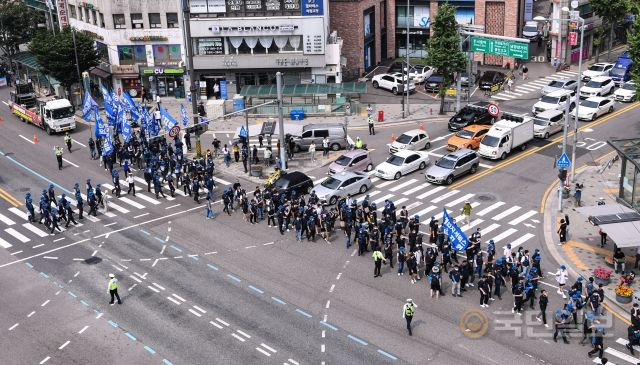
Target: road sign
563 161
573 25
174 131
500 47
493 110
573 38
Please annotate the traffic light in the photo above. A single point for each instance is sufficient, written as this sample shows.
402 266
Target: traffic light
562 174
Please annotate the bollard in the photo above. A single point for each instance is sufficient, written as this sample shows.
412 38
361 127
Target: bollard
392 138
35 139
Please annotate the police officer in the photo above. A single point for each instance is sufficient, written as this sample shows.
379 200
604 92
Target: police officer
79 204
67 141
113 289
69 215
58 151
408 310
54 220
370 122
99 198
29 204
377 260
93 204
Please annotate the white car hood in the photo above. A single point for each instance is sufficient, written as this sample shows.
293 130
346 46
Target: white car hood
400 146
624 92
537 128
323 192
387 167
592 74
584 111
590 89
545 106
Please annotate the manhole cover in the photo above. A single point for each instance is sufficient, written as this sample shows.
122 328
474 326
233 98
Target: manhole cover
93 260
485 197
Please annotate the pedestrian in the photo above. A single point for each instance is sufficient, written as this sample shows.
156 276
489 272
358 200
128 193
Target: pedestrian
525 70
325 147
454 275
518 299
312 150
370 122
226 155
69 215
562 231
30 210
267 156
245 157
377 260
58 152
483 288
67 141
635 315
113 289
633 335
131 183
260 138
597 341
543 301
187 140
435 281
603 241
236 152
619 261
79 204
510 84
466 212
254 155
408 310
92 148
587 327
561 277
401 259
578 194
560 321
369 110
54 220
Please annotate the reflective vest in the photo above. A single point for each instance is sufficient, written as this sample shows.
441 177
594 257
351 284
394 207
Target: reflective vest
67 139
59 152
359 144
113 284
409 310
377 255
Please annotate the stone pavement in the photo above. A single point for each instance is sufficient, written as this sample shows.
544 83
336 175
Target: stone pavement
582 253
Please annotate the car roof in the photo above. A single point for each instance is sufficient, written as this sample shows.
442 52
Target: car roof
459 153
596 99
564 81
414 132
602 64
600 78
549 113
406 153
355 153
294 175
476 127
531 22
344 175
561 92
322 125
491 72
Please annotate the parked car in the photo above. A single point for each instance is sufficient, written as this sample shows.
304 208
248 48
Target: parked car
593 107
464 79
340 185
294 181
531 31
453 165
413 140
595 70
597 86
627 92
434 83
469 137
356 160
559 84
402 163
490 78
548 123
556 100
336 132
420 73
471 114
392 82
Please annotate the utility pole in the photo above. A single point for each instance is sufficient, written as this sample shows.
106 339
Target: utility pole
564 149
575 122
459 80
75 51
186 19
407 57
246 124
283 153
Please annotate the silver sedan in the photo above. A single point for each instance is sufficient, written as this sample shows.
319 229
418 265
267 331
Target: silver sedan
342 184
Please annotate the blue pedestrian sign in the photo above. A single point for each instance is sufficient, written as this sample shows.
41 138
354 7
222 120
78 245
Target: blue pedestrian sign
243 132
563 161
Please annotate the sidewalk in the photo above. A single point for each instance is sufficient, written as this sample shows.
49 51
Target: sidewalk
582 253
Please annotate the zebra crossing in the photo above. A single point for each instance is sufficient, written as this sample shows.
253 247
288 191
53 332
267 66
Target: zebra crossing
533 86
500 221
617 353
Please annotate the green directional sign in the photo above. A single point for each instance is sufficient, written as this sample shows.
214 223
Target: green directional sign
500 47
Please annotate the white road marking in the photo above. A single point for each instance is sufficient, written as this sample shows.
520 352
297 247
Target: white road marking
400 186
179 297
489 229
83 329
152 288
195 313
244 334
221 321
459 200
19 213
6 220
268 348
445 196
200 309
238 337
220 181
35 230
521 240
425 210
430 192
490 208
78 142
388 182
523 217
69 162
5 244
504 234
149 199
141 215
64 345
117 207
19 236
382 199
513 209
131 202
45 360
472 224
319 181
25 138
417 188
263 351
173 300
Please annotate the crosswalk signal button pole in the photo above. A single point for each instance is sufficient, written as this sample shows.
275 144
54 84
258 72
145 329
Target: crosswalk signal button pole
562 174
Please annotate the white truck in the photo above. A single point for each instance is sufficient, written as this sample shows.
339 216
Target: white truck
51 114
506 135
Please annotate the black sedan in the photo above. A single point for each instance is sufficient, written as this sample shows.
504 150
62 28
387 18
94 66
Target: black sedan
434 83
490 78
294 181
468 115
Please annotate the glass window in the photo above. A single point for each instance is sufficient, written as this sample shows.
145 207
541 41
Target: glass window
119 22
154 20
86 14
94 17
72 11
166 54
129 55
636 196
103 51
80 16
208 46
321 133
628 181
136 21
101 20
172 20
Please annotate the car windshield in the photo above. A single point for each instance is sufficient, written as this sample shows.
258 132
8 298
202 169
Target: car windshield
618 71
331 183
446 163
404 139
628 86
465 134
540 122
343 160
594 84
282 183
530 29
62 112
596 68
395 160
490 141
589 104
549 99
435 78
557 84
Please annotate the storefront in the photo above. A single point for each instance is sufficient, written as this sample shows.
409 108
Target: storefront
418 19
126 79
164 80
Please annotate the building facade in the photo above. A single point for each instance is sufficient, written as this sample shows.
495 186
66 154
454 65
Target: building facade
141 43
238 43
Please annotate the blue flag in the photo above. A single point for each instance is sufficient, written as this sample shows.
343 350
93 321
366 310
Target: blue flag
125 127
107 148
183 114
154 126
168 121
458 239
108 102
87 105
130 105
101 129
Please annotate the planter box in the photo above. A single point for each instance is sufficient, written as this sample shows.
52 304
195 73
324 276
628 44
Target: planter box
598 281
623 300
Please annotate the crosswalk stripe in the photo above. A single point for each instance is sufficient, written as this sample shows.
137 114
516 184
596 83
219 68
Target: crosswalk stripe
512 93
621 355
149 199
461 216
92 218
388 182
567 73
432 191
445 196
413 205
541 82
375 179
380 200
459 200
526 88
374 193
396 203
109 214
472 224
35 230
523 217
504 234
131 202
6 220
140 180
501 97
220 181
506 212
406 183
417 188
489 229
19 236
597 361
118 208
522 240
180 192
19 213
425 211
490 208
624 342
4 244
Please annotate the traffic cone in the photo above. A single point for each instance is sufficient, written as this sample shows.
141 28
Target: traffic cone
35 139
421 127
393 138
1 119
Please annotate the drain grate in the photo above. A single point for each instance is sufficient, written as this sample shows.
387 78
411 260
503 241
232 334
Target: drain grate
93 260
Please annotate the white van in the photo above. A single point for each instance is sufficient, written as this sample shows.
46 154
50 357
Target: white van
547 123
556 100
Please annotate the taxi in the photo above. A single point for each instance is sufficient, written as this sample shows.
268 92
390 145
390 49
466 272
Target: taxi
469 137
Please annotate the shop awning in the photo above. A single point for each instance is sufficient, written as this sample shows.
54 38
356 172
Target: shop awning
29 60
270 91
100 73
622 229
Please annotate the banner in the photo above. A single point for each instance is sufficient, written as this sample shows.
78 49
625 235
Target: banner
87 105
458 239
167 120
130 105
101 129
154 126
107 148
107 101
183 114
125 126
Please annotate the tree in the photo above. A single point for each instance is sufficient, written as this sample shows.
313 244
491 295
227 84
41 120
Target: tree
598 38
611 11
444 48
55 54
633 42
18 24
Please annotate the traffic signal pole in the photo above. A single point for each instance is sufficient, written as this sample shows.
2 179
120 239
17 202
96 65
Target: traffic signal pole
562 171
192 77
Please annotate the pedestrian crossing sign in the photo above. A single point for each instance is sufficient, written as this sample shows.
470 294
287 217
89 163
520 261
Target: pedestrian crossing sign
563 161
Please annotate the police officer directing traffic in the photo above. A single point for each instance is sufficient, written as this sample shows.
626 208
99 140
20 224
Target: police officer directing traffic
408 311
113 289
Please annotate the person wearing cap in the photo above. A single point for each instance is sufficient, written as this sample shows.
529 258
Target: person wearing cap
112 287
543 300
377 261
561 317
589 321
633 334
561 277
435 281
455 277
597 341
408 310
466 212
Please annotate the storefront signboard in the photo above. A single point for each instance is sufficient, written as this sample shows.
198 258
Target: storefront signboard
312 7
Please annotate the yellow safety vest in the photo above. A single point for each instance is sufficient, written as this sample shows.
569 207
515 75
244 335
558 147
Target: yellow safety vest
377 255
409 310
359 143
113 284
59 152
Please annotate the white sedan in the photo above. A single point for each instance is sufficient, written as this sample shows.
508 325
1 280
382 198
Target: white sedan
420 73
593 107
402 163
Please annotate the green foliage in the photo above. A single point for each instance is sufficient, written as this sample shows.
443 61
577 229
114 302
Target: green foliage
610 10
444 47
55 53
18 24
633 42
